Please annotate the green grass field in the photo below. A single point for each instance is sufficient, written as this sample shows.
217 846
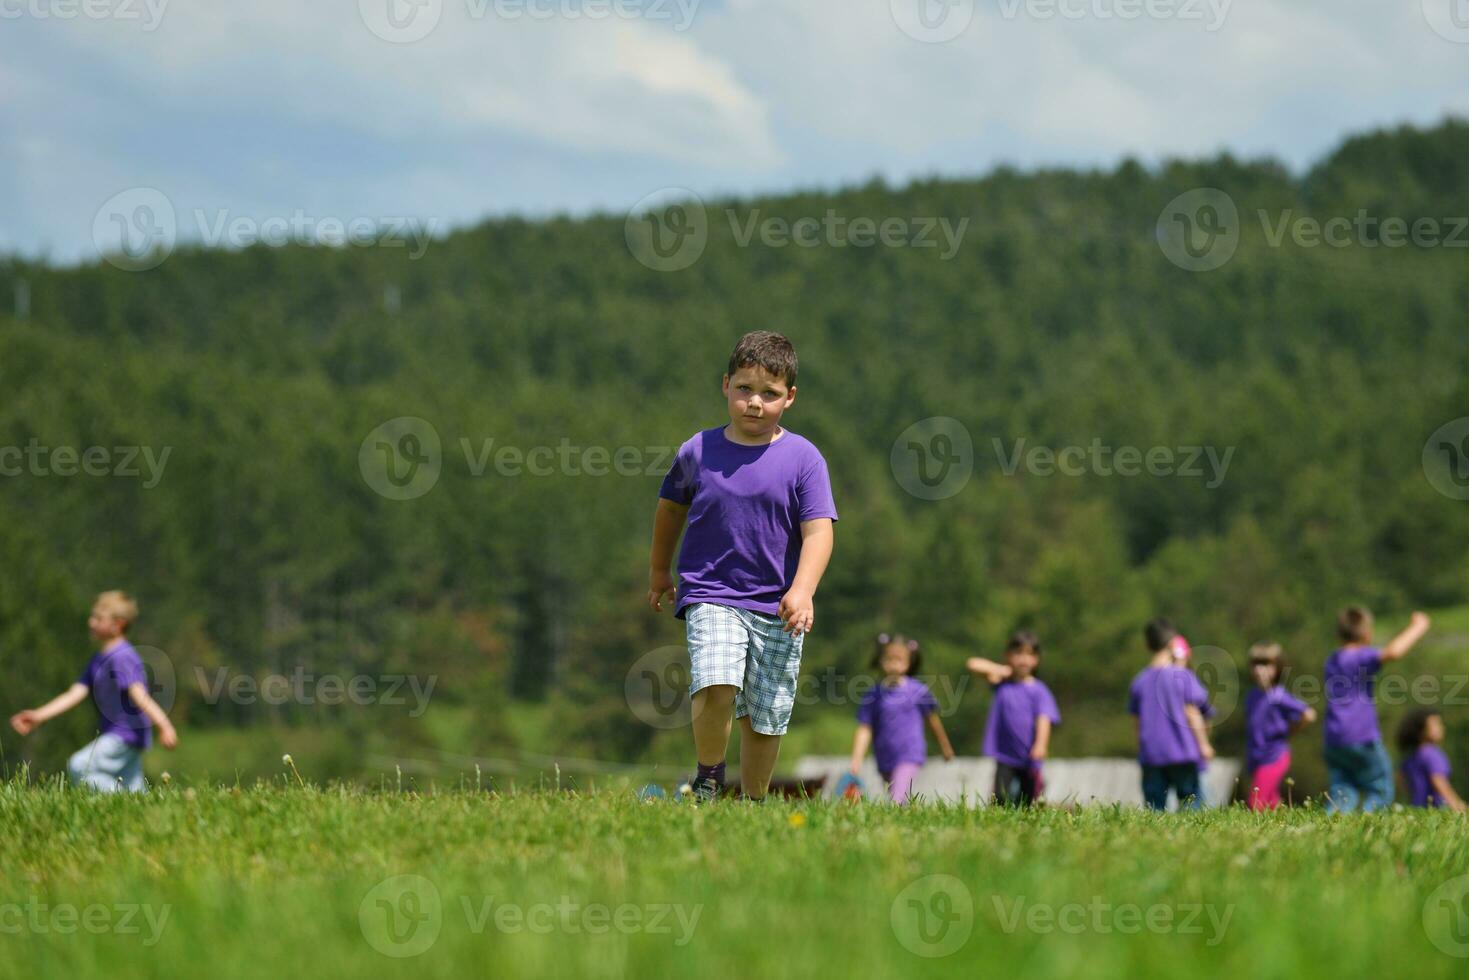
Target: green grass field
280 880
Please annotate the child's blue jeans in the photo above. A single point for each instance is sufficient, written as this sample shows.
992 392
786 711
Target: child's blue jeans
1183 779
1358 772
109 764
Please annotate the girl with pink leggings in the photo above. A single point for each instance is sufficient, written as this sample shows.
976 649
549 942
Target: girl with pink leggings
1272 715
891 718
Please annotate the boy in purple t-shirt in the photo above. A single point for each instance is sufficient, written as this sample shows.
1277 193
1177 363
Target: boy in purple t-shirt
126 712
892 715
1172 736
1425 767
1356 761
1017 733
757 499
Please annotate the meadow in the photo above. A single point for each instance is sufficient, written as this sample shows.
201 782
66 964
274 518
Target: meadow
285 878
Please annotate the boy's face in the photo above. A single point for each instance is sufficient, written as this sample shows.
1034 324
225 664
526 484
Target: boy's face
103 624
757 399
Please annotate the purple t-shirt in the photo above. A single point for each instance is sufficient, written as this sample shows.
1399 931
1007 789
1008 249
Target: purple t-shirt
1269 716
1427 760
1351 711
1158 697
109 675
1009 732
896 715
746 505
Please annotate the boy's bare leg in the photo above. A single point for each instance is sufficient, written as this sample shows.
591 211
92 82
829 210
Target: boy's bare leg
757 759
713 711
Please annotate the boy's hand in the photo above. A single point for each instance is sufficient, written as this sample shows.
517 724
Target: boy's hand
168 737
797 612
1419 620
1207 751
1037 754
24 722
660 586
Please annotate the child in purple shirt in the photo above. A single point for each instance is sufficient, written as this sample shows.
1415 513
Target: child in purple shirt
1425 767
758 504
126 712
1272 715
1017 733
891 718
1172 735
1356 761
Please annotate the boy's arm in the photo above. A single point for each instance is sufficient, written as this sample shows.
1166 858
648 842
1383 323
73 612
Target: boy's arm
1042 743
988 669
1200 729
668 522
942 737
796 609
27 721
1404 641
1445 792
860 742
167 737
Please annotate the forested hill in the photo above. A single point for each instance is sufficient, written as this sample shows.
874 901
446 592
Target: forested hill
1054 309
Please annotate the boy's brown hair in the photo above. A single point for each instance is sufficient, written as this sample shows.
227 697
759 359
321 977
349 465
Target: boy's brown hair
1354 625
771 351
1270 655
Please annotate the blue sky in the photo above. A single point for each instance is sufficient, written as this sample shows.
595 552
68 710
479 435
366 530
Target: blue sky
329 108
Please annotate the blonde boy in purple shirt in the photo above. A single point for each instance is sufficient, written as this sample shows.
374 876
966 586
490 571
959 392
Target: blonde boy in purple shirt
126 713
758 504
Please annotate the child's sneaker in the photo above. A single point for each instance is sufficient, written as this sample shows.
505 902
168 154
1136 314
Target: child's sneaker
705 790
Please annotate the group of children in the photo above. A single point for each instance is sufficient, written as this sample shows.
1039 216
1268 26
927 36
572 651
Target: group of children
1172 712
754 505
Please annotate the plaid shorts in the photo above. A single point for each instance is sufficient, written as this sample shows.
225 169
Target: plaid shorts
749 651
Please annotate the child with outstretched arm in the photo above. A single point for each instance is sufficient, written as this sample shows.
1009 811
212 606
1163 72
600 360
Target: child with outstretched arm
1357 764
1017 733
126 712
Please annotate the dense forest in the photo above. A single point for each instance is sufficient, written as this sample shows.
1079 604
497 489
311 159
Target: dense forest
259 545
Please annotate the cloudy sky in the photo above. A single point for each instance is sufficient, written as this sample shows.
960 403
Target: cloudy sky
451 110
